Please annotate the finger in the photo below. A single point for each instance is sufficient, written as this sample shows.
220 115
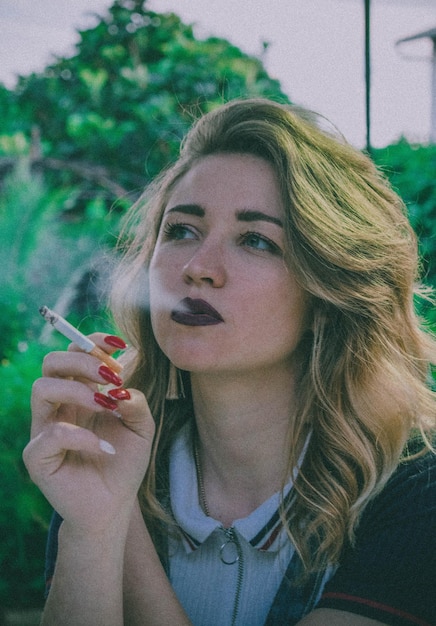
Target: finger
135 413
53 398
103 351
45 453
79 365
109 343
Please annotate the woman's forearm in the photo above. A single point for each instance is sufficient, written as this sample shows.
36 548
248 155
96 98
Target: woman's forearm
88 580
148 595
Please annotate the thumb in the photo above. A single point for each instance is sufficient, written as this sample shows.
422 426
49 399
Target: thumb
136 415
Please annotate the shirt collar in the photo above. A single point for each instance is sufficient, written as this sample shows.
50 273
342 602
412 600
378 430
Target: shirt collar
263 528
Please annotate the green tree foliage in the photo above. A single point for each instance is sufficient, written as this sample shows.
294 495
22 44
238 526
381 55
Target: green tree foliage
412 172
78 142
116 111
34 270
24 514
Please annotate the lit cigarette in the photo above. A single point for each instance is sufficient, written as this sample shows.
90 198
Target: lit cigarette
67 330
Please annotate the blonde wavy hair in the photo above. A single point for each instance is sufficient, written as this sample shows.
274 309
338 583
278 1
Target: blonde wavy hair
365 363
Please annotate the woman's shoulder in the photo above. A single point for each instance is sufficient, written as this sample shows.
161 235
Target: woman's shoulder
410 492
416 473
387 574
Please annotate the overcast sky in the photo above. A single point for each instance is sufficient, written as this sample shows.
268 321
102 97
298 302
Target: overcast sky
316 50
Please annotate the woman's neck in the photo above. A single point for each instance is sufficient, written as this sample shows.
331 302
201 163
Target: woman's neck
243 428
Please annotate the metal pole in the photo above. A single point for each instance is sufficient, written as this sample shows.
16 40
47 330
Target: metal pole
368 73
433 95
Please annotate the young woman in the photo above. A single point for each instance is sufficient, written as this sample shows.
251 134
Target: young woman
265 457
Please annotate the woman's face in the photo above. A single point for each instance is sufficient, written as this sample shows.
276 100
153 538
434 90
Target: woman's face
222 298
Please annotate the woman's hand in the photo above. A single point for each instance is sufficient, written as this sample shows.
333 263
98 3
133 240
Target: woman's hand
88 460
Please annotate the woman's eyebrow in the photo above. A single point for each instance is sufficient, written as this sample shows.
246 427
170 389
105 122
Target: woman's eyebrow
247 215
188 209
244 215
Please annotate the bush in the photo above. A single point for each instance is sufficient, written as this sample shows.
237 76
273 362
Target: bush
411 170
24 512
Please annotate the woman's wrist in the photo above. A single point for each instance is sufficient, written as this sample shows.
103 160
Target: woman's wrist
109 532
88 579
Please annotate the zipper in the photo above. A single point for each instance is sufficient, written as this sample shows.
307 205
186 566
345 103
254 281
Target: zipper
228 559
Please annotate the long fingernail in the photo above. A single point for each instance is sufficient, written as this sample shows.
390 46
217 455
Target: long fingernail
115 342
105 402
109 375
107 447
119 394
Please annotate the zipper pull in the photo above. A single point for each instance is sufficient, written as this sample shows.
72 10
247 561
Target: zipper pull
230 550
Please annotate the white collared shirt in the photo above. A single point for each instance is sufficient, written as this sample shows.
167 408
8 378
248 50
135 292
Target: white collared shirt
205 585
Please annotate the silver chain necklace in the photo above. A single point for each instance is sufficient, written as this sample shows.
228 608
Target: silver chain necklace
201 491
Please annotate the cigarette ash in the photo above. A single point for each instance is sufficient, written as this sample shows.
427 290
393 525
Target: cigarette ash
47 314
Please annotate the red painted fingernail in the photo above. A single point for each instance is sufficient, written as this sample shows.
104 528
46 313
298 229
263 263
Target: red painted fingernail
105 402
119 394
109 375
115 342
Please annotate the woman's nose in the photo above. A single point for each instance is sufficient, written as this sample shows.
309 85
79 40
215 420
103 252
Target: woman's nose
206 266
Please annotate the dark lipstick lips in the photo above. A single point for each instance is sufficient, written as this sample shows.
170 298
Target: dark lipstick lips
196 312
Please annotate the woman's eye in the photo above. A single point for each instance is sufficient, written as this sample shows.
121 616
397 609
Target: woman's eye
176 232
260 242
